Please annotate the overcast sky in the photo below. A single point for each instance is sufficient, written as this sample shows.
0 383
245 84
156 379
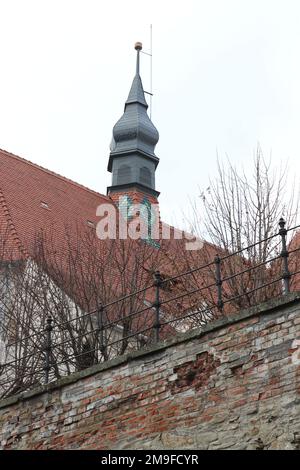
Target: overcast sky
226 76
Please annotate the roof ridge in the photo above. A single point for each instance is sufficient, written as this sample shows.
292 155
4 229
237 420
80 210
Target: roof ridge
11 225
57 175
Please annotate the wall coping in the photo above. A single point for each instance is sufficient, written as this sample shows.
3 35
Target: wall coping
265 308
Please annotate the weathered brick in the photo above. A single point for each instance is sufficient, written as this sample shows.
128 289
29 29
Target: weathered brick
235 387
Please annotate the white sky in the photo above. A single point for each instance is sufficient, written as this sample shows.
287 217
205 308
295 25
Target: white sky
226 75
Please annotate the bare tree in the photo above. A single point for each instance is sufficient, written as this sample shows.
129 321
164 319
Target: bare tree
66 283
238 213
85 286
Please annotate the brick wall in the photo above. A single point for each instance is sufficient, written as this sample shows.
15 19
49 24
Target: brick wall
235 385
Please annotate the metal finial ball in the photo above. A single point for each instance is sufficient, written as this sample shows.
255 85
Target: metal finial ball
138 46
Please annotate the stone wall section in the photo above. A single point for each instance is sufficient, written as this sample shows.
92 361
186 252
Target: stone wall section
233 385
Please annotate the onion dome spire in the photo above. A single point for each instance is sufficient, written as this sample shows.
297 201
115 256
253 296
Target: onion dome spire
134 139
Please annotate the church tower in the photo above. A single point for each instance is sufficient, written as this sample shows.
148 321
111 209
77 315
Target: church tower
132 160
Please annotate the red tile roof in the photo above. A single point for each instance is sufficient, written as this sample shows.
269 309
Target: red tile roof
33 198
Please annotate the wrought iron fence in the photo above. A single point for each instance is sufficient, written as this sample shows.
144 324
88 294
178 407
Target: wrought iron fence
116 328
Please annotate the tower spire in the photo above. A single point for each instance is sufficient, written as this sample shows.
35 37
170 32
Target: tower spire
136 94
132 160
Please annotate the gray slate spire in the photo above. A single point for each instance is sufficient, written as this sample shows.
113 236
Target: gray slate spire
134 139
136 94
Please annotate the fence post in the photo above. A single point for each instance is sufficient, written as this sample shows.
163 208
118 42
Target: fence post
220 302
284 254
100 327
48 348
157 304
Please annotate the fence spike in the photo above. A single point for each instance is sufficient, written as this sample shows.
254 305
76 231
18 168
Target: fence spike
100 327
220 303
157 304
286 275
48 348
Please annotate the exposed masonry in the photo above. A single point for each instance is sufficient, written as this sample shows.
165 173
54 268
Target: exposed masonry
234 385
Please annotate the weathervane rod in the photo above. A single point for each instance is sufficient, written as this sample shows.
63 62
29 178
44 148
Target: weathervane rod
151 71
138 47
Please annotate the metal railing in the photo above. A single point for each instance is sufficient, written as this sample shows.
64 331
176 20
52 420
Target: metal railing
60 348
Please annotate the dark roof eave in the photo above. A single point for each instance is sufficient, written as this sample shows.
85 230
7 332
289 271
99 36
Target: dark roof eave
145 155
123 187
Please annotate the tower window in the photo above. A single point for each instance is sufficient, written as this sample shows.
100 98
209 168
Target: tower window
145 176
124 174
